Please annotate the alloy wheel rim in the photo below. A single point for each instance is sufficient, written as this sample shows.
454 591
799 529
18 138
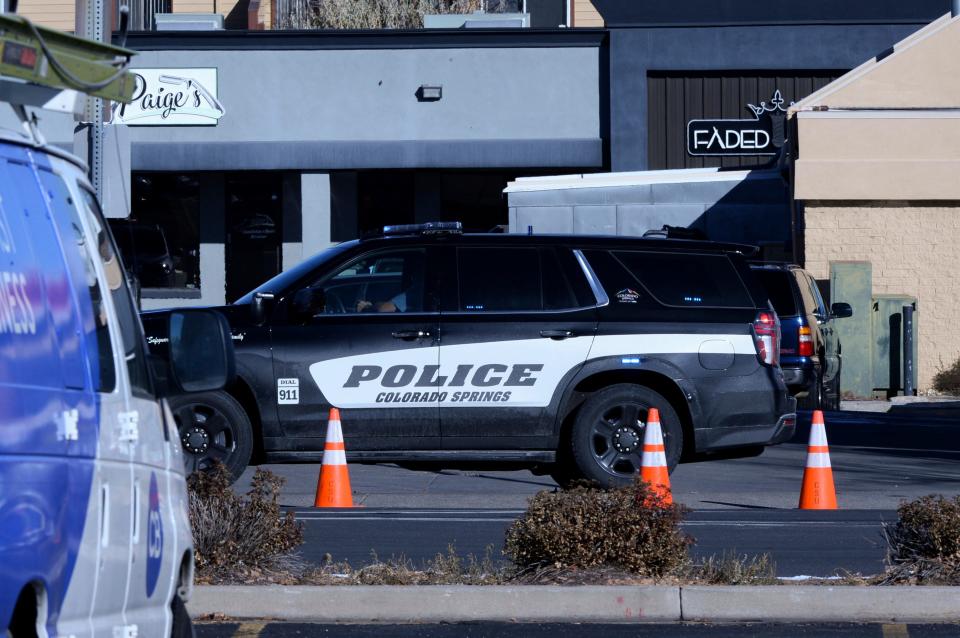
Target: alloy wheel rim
206 436
616 438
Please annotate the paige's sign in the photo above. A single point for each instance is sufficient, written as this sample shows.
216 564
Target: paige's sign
172 97
761 135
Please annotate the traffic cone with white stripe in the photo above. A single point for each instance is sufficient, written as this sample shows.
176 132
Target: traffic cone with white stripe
818 492
653 467
333 487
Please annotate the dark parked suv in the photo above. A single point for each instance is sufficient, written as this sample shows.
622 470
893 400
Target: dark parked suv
497 350
810 351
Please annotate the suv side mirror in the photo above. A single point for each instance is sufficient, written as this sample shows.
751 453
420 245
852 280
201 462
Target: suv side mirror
308 302
841 310
260 307
201 356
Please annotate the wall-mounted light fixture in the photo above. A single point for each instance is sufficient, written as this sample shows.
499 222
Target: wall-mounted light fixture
429 93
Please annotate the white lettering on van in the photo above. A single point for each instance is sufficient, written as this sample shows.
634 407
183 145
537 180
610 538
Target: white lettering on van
6 236
16 310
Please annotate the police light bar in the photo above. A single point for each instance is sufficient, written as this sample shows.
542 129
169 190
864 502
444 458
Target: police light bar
429 228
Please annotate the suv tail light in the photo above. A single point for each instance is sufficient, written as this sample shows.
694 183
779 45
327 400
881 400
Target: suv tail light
805 341
766 331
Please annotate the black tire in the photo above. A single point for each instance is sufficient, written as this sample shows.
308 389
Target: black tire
834 392
815 395
213 427
607 437
182 625
564 474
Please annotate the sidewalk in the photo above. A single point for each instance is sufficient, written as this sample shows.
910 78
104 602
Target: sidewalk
906 405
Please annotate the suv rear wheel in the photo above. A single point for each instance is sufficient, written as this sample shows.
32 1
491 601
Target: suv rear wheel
607 437
213 427
815 395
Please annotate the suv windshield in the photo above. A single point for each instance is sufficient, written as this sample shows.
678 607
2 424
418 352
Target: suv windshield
289 277
779 290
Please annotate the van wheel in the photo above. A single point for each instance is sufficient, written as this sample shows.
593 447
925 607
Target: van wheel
213 427
607 437
182 625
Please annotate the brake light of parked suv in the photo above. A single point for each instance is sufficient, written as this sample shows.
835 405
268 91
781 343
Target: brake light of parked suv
805 341
766 330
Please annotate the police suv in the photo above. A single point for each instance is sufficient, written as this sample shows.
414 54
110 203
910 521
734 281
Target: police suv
94 532
497 350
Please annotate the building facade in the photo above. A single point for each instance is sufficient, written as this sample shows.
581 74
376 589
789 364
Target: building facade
875 167
247 150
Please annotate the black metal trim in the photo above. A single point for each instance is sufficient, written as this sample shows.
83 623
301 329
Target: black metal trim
365 39
362 154
727 13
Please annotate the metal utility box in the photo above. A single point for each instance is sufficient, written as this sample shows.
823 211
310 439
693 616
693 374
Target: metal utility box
851 282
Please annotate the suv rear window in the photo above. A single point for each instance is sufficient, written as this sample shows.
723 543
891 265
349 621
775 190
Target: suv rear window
777 285
494 279
688 280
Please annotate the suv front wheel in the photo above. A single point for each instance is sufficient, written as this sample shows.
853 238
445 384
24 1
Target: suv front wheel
607 437
213 427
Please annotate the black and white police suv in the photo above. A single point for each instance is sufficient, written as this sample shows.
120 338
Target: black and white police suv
497 350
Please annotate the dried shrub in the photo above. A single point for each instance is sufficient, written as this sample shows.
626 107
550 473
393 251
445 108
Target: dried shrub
730 569
947 380
377 14
923 546
242 538
629 528
443 569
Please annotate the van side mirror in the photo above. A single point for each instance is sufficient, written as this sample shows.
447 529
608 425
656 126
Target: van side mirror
260 307
841 310
201 356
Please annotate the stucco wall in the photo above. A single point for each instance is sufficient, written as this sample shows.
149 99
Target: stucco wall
585 14
358 108
636 52
56 14
913 249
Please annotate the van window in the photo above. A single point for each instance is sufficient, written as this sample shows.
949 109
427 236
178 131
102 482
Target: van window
690 280
130 329
77 253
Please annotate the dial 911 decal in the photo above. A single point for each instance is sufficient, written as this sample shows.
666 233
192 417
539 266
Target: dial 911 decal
288 391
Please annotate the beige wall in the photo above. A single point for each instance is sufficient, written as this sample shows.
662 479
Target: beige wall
193 6
878 155
913 247
585 15
56 14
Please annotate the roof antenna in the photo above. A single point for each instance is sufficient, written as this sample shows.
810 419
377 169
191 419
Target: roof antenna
124 23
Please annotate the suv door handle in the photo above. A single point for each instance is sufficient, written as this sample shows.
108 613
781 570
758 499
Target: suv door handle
411 334
557 334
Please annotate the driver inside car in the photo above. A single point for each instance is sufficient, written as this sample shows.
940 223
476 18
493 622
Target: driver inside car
410 297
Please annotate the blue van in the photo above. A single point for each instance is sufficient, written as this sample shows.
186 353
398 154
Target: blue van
94 530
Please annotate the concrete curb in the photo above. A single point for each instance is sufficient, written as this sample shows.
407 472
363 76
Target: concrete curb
821 603
385 603
534 603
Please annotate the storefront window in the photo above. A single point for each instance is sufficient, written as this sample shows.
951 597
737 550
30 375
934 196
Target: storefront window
160 241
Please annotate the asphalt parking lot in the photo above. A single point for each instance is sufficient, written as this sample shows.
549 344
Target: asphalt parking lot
555 630
878 462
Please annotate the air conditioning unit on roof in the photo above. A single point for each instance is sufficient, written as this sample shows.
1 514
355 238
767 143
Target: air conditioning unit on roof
188 22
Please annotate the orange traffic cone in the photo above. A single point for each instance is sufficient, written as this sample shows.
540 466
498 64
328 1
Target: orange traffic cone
653 467
333 487
818 492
